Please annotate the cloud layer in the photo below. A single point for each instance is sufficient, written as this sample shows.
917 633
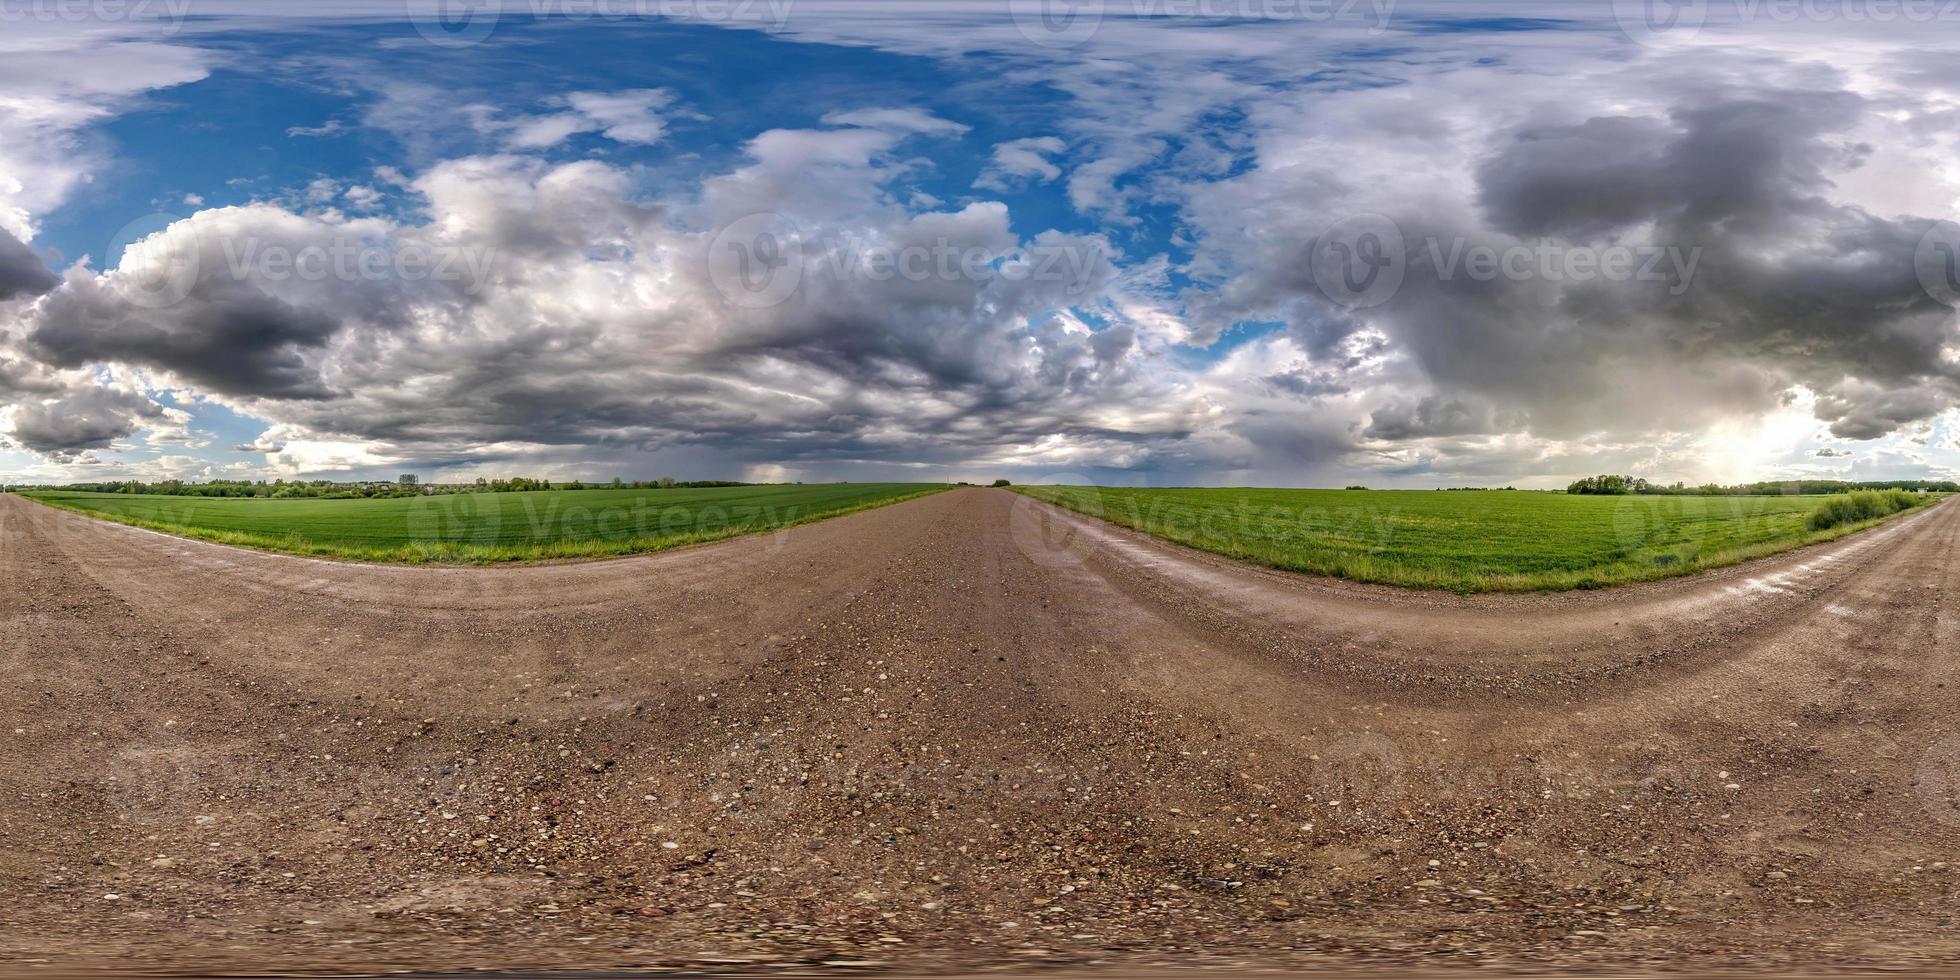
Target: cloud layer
1600 255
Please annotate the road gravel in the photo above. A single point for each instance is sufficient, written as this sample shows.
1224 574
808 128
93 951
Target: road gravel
967 731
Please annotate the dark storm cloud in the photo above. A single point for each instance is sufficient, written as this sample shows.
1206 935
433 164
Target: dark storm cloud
22 273
1580 181
227 336
90 418
1788 286
1308 384
20 377
1752 160
1430 417
1870 411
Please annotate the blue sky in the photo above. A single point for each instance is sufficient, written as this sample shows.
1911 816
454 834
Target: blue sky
1112 247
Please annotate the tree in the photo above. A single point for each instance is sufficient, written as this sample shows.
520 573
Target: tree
1609 484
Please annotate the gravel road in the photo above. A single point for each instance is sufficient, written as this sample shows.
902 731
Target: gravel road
967 730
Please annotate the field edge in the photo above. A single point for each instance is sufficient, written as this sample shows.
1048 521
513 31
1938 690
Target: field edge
1587 581
467 555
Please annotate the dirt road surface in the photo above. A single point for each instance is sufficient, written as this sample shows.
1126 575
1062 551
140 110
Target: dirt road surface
968 730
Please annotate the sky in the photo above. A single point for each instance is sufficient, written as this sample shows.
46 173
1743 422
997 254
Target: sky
1130 242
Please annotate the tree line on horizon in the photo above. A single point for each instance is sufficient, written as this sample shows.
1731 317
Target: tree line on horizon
1610 484
407 485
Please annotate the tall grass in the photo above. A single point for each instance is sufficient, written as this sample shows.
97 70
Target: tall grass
1862 505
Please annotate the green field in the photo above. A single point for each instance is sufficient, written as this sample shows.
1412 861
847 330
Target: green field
1465 541
488 527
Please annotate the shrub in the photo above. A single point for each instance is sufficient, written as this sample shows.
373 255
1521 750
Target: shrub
1001 483
1862 505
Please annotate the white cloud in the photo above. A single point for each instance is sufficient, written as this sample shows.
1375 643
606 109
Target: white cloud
56 83
1016 162
632 116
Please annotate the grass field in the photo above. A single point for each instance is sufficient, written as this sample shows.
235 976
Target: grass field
489 527
1465 541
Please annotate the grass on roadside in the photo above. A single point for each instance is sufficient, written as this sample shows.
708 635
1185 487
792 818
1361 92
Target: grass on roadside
1465 541
1860 507
484 528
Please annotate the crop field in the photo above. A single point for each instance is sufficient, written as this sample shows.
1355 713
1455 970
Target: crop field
488 527
1466 541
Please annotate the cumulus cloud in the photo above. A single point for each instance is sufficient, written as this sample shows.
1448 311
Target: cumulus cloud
1017 162
270 442
1432 416
90 418
598 319
1762 278
204 301
624 117
1860 409
60 79
22 273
